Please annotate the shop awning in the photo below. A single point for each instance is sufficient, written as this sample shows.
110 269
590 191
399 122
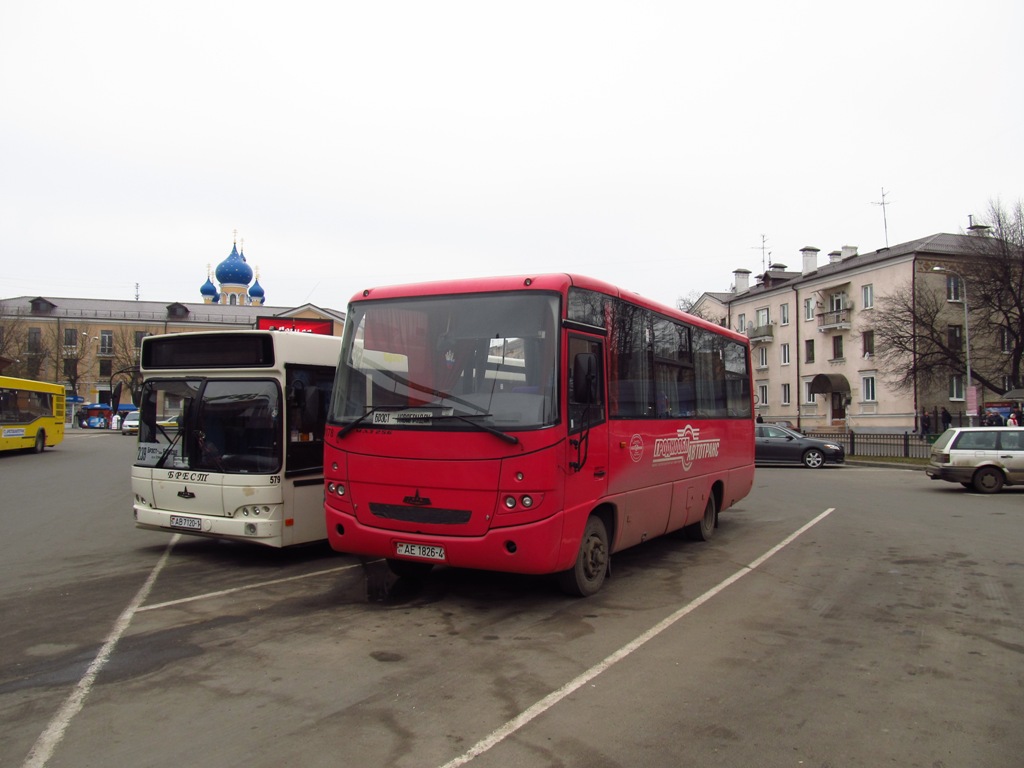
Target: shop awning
826 383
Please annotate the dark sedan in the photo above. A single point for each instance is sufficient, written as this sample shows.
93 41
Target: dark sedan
780 445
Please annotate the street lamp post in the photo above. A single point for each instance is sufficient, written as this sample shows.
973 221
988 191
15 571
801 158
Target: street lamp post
967 337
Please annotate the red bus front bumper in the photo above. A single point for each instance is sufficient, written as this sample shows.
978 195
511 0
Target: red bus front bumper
533 548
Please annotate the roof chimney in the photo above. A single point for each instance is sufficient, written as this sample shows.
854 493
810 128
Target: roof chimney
848 251
810 254
742 281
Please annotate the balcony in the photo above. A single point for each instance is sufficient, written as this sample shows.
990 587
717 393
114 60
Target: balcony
763 334
835 320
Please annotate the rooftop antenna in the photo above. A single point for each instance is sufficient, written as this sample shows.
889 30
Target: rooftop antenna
762 247
885 220
136 291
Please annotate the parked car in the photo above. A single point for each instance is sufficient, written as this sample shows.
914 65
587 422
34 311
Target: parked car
983 458
130 425
780 445
173 423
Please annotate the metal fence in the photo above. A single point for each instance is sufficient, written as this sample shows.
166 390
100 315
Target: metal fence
905 445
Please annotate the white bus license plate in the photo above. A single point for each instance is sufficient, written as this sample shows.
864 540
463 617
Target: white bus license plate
188 523
419 550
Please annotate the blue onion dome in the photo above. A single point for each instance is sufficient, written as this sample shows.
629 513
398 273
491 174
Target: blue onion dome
257 292
208 289
233 270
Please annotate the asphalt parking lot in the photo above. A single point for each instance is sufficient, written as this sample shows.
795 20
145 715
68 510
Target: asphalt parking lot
854 616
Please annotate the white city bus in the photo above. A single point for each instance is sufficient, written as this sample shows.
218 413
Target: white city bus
231 435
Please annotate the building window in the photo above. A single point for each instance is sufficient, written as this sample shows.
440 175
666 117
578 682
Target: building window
741 322
35 341
837 302
809 350
70 338
106 342
139 336
867 296
808 397
1005 340
785 354
867 389
956 387
808 309
954 290
837 347
784 314
868 339
762 318
762 394
70 368
954 336
762 357
106 368
785 394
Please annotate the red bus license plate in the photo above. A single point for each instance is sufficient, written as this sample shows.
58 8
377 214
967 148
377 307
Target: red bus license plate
419 550
188 523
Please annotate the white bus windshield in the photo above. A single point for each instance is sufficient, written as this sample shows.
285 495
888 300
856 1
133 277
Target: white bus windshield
219 425
452 362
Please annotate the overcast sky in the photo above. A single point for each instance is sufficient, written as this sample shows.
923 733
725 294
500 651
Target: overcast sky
351 144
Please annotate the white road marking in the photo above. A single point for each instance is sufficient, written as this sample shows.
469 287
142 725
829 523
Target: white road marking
43 749
553 698
50 738
257 585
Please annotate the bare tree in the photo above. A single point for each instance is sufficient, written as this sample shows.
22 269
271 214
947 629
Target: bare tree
125 363
12 345
920 336
994 281
912 340
71 361
687 302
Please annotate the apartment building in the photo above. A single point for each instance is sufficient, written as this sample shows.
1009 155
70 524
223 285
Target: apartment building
812 341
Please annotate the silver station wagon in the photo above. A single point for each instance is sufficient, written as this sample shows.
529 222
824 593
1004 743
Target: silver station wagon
983 458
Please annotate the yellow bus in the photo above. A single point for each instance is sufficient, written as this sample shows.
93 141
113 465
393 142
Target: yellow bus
31 414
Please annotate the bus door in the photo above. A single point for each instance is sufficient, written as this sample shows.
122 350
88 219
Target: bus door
586 459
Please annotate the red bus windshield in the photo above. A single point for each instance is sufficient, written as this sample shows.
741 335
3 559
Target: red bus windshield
452 363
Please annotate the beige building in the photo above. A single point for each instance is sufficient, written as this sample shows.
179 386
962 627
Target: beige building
89 345
813 347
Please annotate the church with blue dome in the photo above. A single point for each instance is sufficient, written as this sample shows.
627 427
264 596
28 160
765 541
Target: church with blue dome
234 275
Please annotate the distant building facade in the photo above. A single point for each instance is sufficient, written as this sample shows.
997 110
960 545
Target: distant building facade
90 344
813 347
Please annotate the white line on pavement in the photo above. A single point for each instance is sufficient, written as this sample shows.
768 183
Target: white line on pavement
549 701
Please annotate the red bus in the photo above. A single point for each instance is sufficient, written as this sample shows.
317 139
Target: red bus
531 425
